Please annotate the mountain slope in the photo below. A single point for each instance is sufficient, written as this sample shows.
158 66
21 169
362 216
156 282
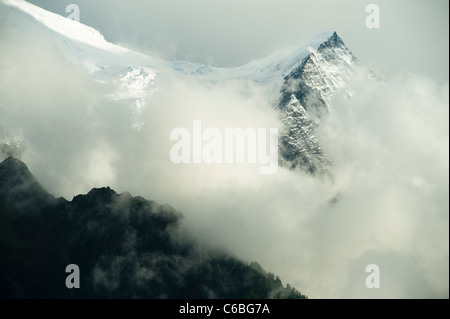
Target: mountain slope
310 87
125 247
134 74
299 145
321 73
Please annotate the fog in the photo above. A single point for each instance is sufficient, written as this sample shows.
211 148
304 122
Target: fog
389 147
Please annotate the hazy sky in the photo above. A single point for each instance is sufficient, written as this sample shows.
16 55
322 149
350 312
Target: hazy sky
413 35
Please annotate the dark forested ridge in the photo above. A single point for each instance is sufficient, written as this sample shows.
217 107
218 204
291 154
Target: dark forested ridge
125 247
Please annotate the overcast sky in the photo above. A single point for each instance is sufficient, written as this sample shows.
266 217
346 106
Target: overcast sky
413 36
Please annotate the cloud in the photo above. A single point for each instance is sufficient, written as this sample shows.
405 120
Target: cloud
389 146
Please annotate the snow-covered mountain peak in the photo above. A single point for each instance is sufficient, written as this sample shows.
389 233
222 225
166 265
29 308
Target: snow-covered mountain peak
307 94
67 27
320 74
332 41
299 81
133 74
280 63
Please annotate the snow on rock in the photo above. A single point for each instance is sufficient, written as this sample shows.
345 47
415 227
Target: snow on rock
321 73
299 145
309 89
67 27
133 73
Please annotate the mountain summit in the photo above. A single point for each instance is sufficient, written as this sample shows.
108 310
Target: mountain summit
319 75
311 87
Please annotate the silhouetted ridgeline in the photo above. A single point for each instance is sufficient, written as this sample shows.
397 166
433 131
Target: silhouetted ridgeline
125 247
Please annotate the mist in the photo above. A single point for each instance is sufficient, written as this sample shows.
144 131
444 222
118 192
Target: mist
386 204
